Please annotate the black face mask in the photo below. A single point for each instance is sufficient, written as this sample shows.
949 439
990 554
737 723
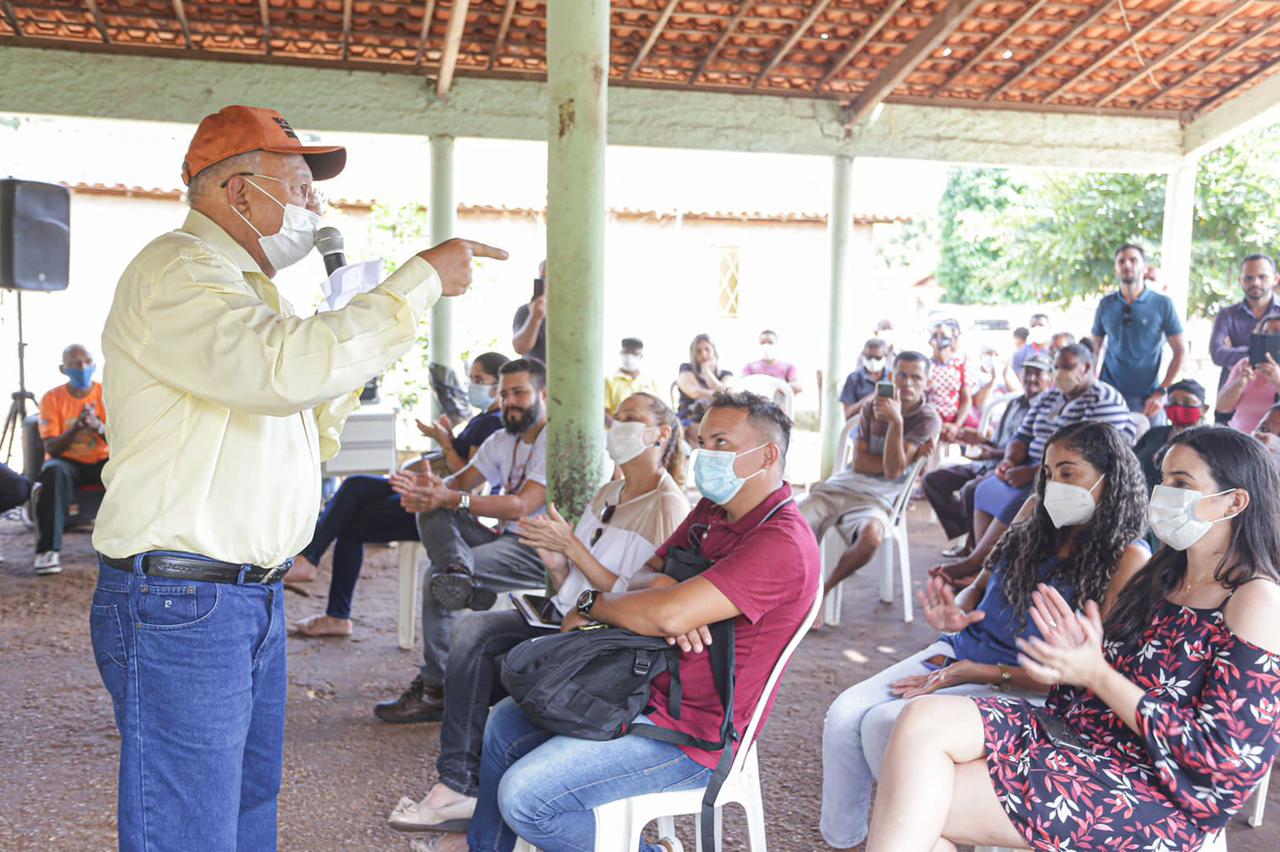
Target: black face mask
528 417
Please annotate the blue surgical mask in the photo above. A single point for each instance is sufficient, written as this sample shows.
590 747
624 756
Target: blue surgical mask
714 474
81 377
480 396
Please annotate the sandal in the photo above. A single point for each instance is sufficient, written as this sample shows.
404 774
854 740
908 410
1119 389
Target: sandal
307 629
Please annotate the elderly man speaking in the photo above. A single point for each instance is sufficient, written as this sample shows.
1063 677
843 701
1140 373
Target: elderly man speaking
223 404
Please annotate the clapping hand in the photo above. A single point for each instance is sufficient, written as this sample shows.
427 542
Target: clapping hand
1070 647
89 421
441 431
547 532
419 491
452 262
913 686
940 608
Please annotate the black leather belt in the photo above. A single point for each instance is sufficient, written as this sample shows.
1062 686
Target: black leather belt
200 570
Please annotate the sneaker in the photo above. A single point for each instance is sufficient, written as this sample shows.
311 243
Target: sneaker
47 563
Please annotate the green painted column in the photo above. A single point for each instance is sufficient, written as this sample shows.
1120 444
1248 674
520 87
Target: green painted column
840 230
577 82
444 213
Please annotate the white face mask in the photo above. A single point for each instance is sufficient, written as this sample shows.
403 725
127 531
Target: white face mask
1172 514
294 240
626 441
630 362
768 350
1069 505
873 365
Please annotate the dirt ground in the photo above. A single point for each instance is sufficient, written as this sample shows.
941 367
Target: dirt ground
345 770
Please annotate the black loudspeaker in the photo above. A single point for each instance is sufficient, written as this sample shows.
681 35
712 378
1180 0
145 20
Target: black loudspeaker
35 235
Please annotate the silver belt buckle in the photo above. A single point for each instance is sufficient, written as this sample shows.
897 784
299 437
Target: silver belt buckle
277 572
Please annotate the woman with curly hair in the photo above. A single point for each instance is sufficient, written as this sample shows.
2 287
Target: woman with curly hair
1165 707
1081 537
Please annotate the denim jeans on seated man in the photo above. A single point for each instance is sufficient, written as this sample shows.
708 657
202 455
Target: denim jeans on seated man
497 562
197 674
547 798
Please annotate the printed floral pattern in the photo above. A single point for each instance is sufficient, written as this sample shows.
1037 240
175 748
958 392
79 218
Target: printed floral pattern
1210 727
943 390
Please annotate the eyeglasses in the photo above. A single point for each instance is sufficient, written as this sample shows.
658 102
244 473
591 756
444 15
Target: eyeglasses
1127 313
314 197
605 517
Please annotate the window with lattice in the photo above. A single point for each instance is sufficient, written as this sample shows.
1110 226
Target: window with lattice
729 276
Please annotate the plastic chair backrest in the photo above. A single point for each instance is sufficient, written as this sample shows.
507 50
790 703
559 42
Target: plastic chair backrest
770 387
990 409
749 736
909 486
844 446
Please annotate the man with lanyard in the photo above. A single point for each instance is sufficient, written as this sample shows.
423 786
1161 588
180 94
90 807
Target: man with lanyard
764 574
1129 331
223 404
470 563
1233 325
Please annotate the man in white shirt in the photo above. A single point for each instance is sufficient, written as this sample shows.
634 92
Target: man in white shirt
471 563
223 403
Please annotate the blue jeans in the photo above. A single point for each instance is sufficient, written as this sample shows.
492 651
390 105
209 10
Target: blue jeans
364 510
196 674
544 788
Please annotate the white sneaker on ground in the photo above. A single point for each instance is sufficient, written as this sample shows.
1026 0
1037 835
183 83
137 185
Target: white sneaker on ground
47 563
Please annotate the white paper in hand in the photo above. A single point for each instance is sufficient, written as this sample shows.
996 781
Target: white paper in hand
350 281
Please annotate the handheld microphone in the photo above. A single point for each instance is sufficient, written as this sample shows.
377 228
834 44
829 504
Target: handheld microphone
329 242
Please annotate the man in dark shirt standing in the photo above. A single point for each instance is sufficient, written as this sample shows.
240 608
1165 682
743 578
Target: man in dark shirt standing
1233 325
529 327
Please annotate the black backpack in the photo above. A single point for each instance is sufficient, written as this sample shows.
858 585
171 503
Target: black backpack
592 682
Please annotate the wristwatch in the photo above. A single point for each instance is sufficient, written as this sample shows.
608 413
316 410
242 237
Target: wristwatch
464 501
1006 678
586 600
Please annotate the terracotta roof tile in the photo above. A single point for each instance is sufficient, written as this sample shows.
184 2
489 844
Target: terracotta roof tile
1155 56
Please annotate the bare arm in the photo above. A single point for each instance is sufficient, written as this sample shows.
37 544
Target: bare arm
1229 395
504 507
527 335
59 444
689 386
1179 346
673 610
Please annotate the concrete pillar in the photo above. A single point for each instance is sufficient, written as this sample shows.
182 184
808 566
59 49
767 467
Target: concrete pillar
444 213
1175 242
577 81
840 230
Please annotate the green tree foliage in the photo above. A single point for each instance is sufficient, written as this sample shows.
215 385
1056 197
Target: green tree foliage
1051 237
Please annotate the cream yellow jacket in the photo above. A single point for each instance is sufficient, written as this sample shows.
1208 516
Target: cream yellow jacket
222 403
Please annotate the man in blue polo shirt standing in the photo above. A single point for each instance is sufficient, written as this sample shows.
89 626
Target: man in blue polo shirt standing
1129 332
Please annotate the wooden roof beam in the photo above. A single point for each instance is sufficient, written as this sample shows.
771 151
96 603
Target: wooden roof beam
452 44
264 11
346 29
1129 43
12 17
909 58
99 22
796 34
428 13
729 27
503 28
1084 24
1149 68
180 12
861 42
649 42
978 54
1205 66
1216 125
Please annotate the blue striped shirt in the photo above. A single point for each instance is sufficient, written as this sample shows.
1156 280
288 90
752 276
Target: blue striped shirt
1053 410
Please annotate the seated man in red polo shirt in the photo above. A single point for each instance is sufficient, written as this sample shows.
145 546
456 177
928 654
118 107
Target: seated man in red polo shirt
765 575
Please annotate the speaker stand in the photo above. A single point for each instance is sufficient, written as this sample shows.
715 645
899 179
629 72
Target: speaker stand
17 408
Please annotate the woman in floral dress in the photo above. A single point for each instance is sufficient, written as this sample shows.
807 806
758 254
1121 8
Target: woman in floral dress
1162 719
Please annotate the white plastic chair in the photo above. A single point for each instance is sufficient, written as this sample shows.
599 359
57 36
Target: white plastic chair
895 542
992 408
770 387
407 590
619 824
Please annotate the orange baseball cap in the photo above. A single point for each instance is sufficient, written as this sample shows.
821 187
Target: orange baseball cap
238 130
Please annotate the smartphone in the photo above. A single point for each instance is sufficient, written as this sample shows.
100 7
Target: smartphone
1261 345
884 389
539 287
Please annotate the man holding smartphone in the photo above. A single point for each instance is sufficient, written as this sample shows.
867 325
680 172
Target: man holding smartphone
896 428
529 327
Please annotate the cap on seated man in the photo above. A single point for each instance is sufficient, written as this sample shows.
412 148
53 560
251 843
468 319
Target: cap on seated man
73 426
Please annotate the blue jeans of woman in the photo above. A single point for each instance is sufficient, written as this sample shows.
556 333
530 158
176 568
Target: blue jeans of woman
543 787
364 510
196 674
